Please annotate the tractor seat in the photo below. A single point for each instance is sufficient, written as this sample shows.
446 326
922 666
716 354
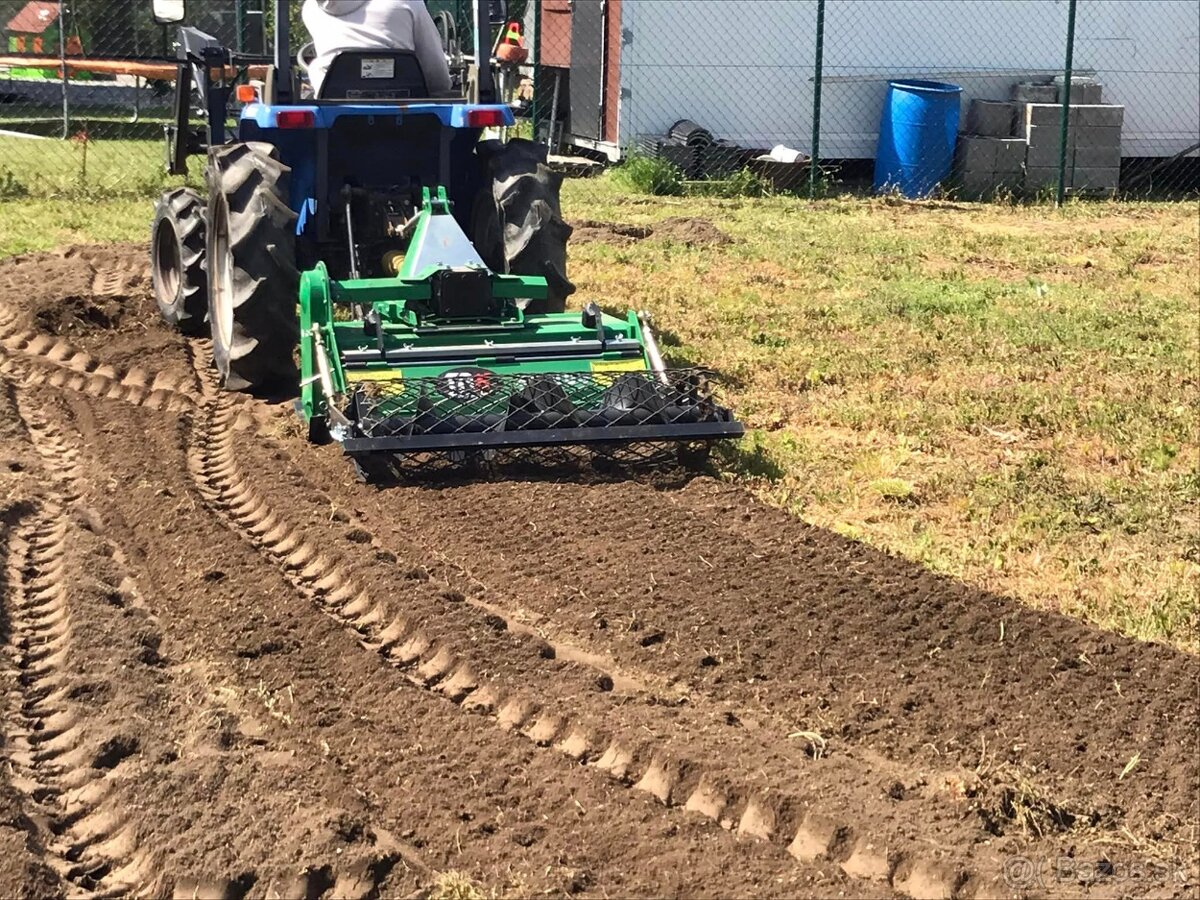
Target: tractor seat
374 75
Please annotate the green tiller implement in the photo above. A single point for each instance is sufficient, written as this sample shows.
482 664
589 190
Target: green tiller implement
416 341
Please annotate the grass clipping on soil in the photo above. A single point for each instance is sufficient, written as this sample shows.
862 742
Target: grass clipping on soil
1003 393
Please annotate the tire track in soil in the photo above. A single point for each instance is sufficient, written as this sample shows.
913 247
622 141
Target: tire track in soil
673 766
799 626
329 867
40 359
26 873
621 854
58 765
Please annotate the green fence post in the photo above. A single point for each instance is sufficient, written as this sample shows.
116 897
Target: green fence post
816 116
1066 106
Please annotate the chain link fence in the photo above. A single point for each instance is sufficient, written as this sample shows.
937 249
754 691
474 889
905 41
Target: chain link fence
959 98
86 88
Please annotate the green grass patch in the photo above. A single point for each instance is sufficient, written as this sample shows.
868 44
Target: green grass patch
28 225
49 167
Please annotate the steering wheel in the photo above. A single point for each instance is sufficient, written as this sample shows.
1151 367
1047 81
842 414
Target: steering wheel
304 56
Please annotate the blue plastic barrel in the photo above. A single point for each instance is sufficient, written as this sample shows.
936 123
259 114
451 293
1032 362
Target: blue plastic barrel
916 136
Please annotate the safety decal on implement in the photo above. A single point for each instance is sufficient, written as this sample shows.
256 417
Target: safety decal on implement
392 375
467 383
378 68
618 365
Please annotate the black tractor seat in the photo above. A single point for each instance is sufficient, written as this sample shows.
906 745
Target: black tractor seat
376 75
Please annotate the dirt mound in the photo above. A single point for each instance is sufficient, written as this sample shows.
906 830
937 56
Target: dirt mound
96 297
80 290
590 231
229 669
690 232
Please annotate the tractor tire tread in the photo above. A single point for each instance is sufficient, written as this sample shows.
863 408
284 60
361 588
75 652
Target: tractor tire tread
517 221
187 310
263 274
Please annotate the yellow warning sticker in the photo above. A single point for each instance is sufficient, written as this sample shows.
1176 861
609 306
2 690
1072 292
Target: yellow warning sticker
393 375
618 365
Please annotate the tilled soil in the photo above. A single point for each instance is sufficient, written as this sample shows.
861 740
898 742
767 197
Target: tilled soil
232 670
685 230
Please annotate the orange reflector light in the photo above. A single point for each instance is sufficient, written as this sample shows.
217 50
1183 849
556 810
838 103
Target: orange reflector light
295 118
246 93
484 118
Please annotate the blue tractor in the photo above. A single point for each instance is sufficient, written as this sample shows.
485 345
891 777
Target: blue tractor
368 250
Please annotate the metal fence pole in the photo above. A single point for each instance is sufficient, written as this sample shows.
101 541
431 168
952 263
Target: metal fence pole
1066 106
62 58
536 52
816 116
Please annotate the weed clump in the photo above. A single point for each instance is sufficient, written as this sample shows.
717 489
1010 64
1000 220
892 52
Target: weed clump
648 175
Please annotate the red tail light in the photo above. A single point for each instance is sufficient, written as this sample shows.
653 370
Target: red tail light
295 118
485 118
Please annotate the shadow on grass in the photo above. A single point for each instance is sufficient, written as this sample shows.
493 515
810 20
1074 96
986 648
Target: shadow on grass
748 459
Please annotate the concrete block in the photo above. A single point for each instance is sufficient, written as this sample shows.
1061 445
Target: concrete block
1010 155
989 185
1041 114
1099 115
1038 178
1047 114
1029 92
1095 180
975 185
1104 157
974 153
1085 93
1084 89
1046 153
1045 135
1096 135
993 118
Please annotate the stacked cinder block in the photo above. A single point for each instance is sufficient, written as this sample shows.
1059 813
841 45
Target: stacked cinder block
1013 146
1085 90
1093 146
988 159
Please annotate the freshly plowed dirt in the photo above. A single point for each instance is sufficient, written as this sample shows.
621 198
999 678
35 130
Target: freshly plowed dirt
589 230
691 232
230 669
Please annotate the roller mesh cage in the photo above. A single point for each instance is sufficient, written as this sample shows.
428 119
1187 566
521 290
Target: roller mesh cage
471 411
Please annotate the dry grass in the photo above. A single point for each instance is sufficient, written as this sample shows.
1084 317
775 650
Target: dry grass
1004 393
455 886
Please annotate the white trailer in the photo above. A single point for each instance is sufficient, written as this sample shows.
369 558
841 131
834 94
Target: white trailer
744 69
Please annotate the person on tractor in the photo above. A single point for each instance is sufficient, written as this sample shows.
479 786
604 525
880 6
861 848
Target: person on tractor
336 25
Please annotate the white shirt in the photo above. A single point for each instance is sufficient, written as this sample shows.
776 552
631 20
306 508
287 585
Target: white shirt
374 25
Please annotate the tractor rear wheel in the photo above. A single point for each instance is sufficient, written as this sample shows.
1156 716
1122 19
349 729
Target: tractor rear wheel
177 261
253 282
517 224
